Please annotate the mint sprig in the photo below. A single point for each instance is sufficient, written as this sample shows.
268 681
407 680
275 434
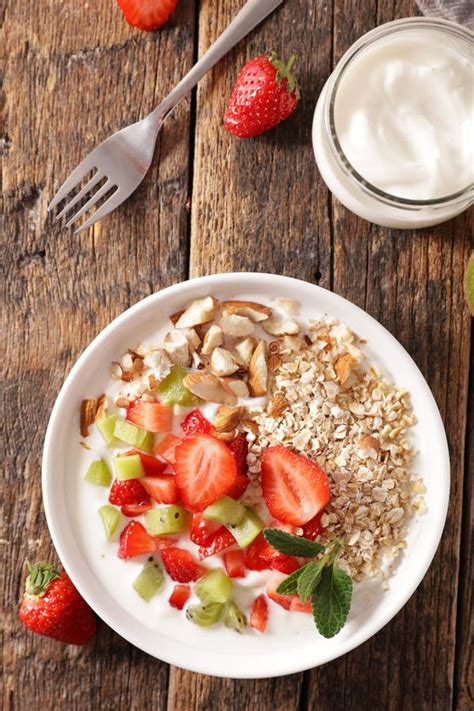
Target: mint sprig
322 581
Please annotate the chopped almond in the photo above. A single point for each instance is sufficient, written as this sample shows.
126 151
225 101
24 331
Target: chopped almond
223 362
122 402
251 425
227 418
243 350
226 436
274 362
277 405
177 347
210 388
290 306
101 411
199 312
213 339
343 367
174 318
87 415
277 327
251 309
237 386
234 325
293 343
258 371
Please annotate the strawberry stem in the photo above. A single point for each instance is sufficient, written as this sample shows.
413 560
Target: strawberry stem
39 577
284 72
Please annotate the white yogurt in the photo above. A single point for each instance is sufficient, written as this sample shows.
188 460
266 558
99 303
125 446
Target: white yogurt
399 109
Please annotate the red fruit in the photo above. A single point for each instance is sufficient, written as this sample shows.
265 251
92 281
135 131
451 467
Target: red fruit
205 470
134 540
254 560
129 492
180 596
219 541
289 602
285 563
151 465
239 486
180 565
202 531
147 14
161 488
51 606
196 423
259 614
260 555
240 448
150 416
264 94
164 542
234 564
313 528
135 509
166 448
295 489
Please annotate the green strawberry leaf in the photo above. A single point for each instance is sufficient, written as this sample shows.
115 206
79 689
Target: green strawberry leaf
331 601
289 586
309 579
292 545
470 284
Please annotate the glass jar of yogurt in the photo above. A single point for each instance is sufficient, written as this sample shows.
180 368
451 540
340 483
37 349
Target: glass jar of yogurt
393 130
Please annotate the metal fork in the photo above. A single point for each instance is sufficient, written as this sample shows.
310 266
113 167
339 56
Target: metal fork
123 160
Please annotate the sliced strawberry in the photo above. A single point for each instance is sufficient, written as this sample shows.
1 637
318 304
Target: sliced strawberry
295 489
166 448
196 423
164 542
150 416
234 564
202 531
147 14
239 486
205 470
151 465
259 614
162 488
134 540
180 565
289 602
254 560
285 563
132 510
220 540
180 596
313 528
240 449
260 555
128 492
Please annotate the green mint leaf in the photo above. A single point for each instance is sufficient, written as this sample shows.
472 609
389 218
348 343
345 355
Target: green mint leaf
309 579
331 601
292 545
289 586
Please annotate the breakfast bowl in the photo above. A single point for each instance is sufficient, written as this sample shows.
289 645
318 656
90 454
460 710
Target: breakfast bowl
290 642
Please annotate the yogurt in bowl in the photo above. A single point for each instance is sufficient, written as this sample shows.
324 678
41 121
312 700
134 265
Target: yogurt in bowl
290 641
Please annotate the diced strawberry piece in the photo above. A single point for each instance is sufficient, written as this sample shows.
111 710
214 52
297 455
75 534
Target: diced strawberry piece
151 416
259 614
202 531
289 602
147 14
285 563
205 470
235 564
295 489
180 565
134 540
180 596
131 510
151 465
164 542
254 560
162 488
313 528
220 540
240 448
239 486
128 492
166 448
260 555
196 423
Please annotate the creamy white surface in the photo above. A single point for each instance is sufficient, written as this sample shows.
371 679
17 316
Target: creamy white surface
404 115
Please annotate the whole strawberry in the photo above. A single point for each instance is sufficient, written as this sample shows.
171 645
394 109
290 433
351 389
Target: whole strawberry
265 94
51 606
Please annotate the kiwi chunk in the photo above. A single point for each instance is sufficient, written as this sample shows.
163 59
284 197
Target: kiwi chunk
106 427
110 519
225 510
128 467
234 618
149 581
166 520
215 586
204 615
172 391
133 435
98 473
248 528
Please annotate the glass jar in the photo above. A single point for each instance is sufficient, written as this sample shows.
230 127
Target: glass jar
351 188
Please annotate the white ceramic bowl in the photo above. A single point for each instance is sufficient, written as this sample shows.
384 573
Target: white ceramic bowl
171 638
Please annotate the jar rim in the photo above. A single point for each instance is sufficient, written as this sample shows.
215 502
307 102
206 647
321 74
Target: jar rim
388 28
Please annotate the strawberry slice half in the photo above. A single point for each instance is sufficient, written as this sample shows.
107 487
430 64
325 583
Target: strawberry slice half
180 565
131 510
128 492
259 614
151 465
134 541
161 488
289 602
147 14
196 423
201 531
235 564
166 448
260 555
205 470
240 449
219 541
179 596
150 416
295 489
313 528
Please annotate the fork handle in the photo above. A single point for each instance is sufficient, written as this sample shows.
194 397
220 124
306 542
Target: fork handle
252 13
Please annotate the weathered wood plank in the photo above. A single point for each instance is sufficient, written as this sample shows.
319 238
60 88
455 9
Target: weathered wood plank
74 73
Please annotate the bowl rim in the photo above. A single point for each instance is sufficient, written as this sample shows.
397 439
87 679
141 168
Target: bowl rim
199 663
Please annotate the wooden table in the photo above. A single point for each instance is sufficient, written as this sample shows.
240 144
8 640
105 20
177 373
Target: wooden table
75 72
